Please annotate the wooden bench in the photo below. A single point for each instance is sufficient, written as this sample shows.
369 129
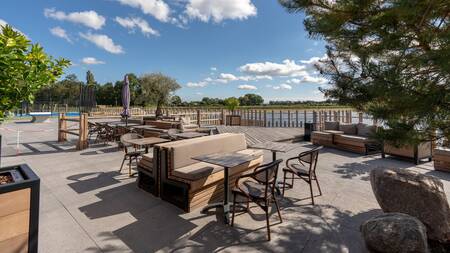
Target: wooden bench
190 184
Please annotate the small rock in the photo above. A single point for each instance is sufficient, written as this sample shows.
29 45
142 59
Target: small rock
409 192
395 233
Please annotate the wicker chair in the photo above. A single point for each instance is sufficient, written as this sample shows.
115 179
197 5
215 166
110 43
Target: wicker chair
259 187
304 169
129 155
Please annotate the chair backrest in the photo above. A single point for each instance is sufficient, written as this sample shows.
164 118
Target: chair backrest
266 174
310 157
126 137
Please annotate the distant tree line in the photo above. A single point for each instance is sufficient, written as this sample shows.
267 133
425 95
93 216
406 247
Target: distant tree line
147 90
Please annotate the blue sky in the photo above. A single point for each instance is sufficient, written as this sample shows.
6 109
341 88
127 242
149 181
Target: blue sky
215 48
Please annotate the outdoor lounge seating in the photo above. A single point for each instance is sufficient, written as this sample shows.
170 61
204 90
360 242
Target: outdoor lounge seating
303 167
441 157
350 137
259 187
190 184
415 153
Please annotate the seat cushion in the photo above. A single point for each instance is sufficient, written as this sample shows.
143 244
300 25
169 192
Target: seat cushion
365 130
442 151
332 125
348 128
299 169
196 171
352 140
182 154
251 188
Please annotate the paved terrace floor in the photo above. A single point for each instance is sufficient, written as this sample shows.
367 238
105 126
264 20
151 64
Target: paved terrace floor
87 206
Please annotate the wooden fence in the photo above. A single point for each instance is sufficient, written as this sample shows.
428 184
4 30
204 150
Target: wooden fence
81 131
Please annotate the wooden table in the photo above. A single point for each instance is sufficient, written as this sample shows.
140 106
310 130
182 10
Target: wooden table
190 135
275 147
147 142
227 161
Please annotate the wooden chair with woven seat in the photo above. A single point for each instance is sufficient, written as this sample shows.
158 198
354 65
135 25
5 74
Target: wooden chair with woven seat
304 169
130 155
259 187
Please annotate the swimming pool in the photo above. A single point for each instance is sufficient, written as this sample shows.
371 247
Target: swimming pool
53 114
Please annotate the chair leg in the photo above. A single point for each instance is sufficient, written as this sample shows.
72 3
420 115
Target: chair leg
129 166
292 183
234 209
278 209
267 220
318 186
311 189
123 161
248 204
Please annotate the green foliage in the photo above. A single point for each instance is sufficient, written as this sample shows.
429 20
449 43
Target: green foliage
90 80
231 103
251 99
389 59
24 69
176 101
156 89
66 91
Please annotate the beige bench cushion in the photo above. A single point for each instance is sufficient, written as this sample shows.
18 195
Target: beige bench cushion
331 125
182 154
200 169
196 171
352 140
365 130
348 128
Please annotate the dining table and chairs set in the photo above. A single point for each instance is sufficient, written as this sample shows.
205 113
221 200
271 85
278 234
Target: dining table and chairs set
260 186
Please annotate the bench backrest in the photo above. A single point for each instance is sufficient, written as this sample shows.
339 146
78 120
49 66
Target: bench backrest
181 154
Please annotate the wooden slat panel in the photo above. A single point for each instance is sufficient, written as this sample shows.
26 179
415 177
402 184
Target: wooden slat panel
13 202
17 244
14 225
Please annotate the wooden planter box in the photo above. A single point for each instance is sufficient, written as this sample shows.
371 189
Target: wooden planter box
19 210
441 157
233 120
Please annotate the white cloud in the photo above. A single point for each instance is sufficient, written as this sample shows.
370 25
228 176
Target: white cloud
282 86
247 87
61 33
156 8
87 18
103 41
287 68
308 79
197 84
213 69
132 23
226 77
218 10
91 61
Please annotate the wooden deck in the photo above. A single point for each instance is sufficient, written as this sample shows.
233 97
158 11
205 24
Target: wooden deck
263 134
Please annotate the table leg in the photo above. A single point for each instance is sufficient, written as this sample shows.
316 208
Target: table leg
225 204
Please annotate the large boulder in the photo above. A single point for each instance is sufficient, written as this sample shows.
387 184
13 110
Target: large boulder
395 233
409 192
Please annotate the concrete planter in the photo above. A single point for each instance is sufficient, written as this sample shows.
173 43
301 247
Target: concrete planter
19 209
